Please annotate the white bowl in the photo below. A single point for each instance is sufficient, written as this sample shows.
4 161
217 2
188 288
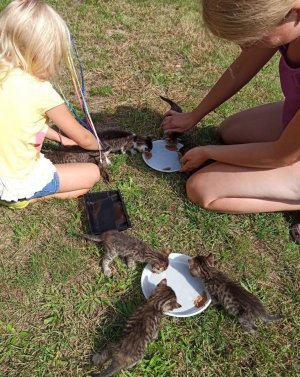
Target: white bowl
162 158
179 278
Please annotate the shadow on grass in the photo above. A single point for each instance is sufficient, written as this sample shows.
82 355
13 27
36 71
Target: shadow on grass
143 120
140 120
293 218
147 121
111 326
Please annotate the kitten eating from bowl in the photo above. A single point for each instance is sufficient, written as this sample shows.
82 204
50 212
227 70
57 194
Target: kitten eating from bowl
116 140
132 248
235 299
139 331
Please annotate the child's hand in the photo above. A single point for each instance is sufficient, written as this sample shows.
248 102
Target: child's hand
193 159
178 122
66 141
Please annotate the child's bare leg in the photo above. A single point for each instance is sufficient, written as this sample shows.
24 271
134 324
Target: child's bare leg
75 179
63 195
262 123
233 189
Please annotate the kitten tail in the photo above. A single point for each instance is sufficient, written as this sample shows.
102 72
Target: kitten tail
92 237
269 317
173 105
100 358
104 174
110 371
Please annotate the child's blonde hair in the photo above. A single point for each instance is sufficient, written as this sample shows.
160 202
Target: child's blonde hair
33 37
244 21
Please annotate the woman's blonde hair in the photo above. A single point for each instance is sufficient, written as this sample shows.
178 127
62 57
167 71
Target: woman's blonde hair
33 37
244 21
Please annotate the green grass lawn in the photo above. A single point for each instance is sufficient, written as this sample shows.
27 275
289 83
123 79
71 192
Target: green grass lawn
56 306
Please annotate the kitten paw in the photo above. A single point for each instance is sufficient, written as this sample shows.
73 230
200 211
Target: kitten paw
131 263
249 327
250 330
96 359
107 272
107 160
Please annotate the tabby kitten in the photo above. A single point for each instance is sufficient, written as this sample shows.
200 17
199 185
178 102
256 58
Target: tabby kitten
135 250
117 140
139 331
231 295
76 154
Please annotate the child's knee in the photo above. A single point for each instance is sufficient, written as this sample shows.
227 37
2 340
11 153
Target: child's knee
94 174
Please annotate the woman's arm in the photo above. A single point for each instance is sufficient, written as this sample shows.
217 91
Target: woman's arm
257 155
64 120
268 155
242 70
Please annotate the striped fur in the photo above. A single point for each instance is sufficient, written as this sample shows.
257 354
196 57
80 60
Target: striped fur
116 140
76 154
139 331
135 250
235 299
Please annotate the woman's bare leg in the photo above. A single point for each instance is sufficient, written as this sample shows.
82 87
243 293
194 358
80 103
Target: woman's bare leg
233 189
75 179
262 123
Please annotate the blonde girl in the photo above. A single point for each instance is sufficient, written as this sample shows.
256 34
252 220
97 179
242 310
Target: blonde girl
34 42
258 170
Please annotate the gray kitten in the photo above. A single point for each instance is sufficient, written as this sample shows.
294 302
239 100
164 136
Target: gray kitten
135 250
66 155
231 295
139 331
116 140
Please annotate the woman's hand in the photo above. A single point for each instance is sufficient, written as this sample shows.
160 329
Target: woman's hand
193 159
178 122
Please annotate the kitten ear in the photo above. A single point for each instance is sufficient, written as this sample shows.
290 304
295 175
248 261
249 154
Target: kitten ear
91 237
210 260
167 251
162 282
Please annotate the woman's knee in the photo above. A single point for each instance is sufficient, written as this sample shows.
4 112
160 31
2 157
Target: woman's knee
227 130
198 191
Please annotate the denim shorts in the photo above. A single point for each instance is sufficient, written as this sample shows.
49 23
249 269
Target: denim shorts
51 188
